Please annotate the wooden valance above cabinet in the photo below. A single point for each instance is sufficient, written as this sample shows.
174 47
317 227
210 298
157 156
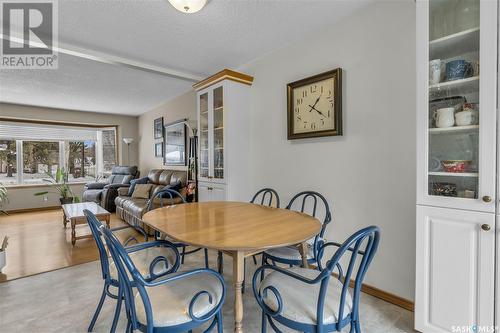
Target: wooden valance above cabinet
225 74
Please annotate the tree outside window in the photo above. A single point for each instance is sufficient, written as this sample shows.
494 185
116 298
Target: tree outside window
39 158
8 163
81 160
108 150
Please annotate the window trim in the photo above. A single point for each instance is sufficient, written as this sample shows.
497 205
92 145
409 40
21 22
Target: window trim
19 146
72 124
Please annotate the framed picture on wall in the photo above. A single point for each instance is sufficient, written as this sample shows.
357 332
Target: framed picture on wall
159 149
175 144
158 128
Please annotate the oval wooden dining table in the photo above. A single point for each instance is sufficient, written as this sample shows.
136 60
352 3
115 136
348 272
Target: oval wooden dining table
238 229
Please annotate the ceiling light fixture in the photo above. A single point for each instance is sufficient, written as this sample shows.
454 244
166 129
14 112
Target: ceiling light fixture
188 6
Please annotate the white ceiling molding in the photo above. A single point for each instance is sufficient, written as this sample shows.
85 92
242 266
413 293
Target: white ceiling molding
112 59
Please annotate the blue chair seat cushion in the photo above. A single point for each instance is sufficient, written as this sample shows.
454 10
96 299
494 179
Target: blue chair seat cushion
170 301
143 258
290 253
300 300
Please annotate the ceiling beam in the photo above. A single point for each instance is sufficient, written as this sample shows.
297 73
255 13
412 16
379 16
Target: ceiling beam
110 59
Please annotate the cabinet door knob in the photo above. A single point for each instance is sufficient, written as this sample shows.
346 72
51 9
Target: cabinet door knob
486 227
487 198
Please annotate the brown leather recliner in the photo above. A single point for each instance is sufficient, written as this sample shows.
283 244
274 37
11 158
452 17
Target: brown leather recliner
131 209
104 194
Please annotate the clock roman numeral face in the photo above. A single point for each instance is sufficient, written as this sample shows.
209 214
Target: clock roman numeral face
313 107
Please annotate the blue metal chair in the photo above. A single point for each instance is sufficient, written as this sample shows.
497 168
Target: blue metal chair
176 303
305 202
310 301
158 199
267 193
273 201
153 260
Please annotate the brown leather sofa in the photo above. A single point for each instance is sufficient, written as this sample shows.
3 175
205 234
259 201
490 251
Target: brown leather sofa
131 209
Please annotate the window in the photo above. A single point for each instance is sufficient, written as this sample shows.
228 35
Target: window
108 150
29 151
39 158
81 160
8 162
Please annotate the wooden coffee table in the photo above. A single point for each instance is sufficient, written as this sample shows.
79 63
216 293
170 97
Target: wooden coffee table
73 214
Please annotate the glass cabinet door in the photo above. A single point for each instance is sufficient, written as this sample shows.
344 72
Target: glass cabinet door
204 142
218 133
454 91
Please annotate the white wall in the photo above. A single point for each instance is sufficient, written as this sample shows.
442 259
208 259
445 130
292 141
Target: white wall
22 198
183 106
368 174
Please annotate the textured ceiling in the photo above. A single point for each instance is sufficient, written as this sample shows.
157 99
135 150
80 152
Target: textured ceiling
81 84
226 33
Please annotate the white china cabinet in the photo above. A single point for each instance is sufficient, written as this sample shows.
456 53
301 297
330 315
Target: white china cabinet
224 128
456 165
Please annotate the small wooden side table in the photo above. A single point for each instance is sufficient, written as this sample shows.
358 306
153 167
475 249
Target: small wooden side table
73 214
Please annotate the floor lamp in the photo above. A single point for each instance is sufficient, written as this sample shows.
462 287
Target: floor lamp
128 141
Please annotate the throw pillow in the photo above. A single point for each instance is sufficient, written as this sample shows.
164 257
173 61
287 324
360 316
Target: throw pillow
143 180
176 187
142 191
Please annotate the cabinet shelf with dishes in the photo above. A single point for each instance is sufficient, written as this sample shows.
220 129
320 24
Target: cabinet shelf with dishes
453 174
454 129
460 86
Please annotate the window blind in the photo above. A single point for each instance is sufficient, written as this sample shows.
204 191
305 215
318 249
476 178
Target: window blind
41 132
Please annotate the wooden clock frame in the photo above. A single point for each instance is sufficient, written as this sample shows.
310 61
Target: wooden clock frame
336 74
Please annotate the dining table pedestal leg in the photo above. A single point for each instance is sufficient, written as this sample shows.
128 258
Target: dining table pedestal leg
239 277
303 253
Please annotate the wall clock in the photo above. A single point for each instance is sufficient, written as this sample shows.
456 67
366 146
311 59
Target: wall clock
315 106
